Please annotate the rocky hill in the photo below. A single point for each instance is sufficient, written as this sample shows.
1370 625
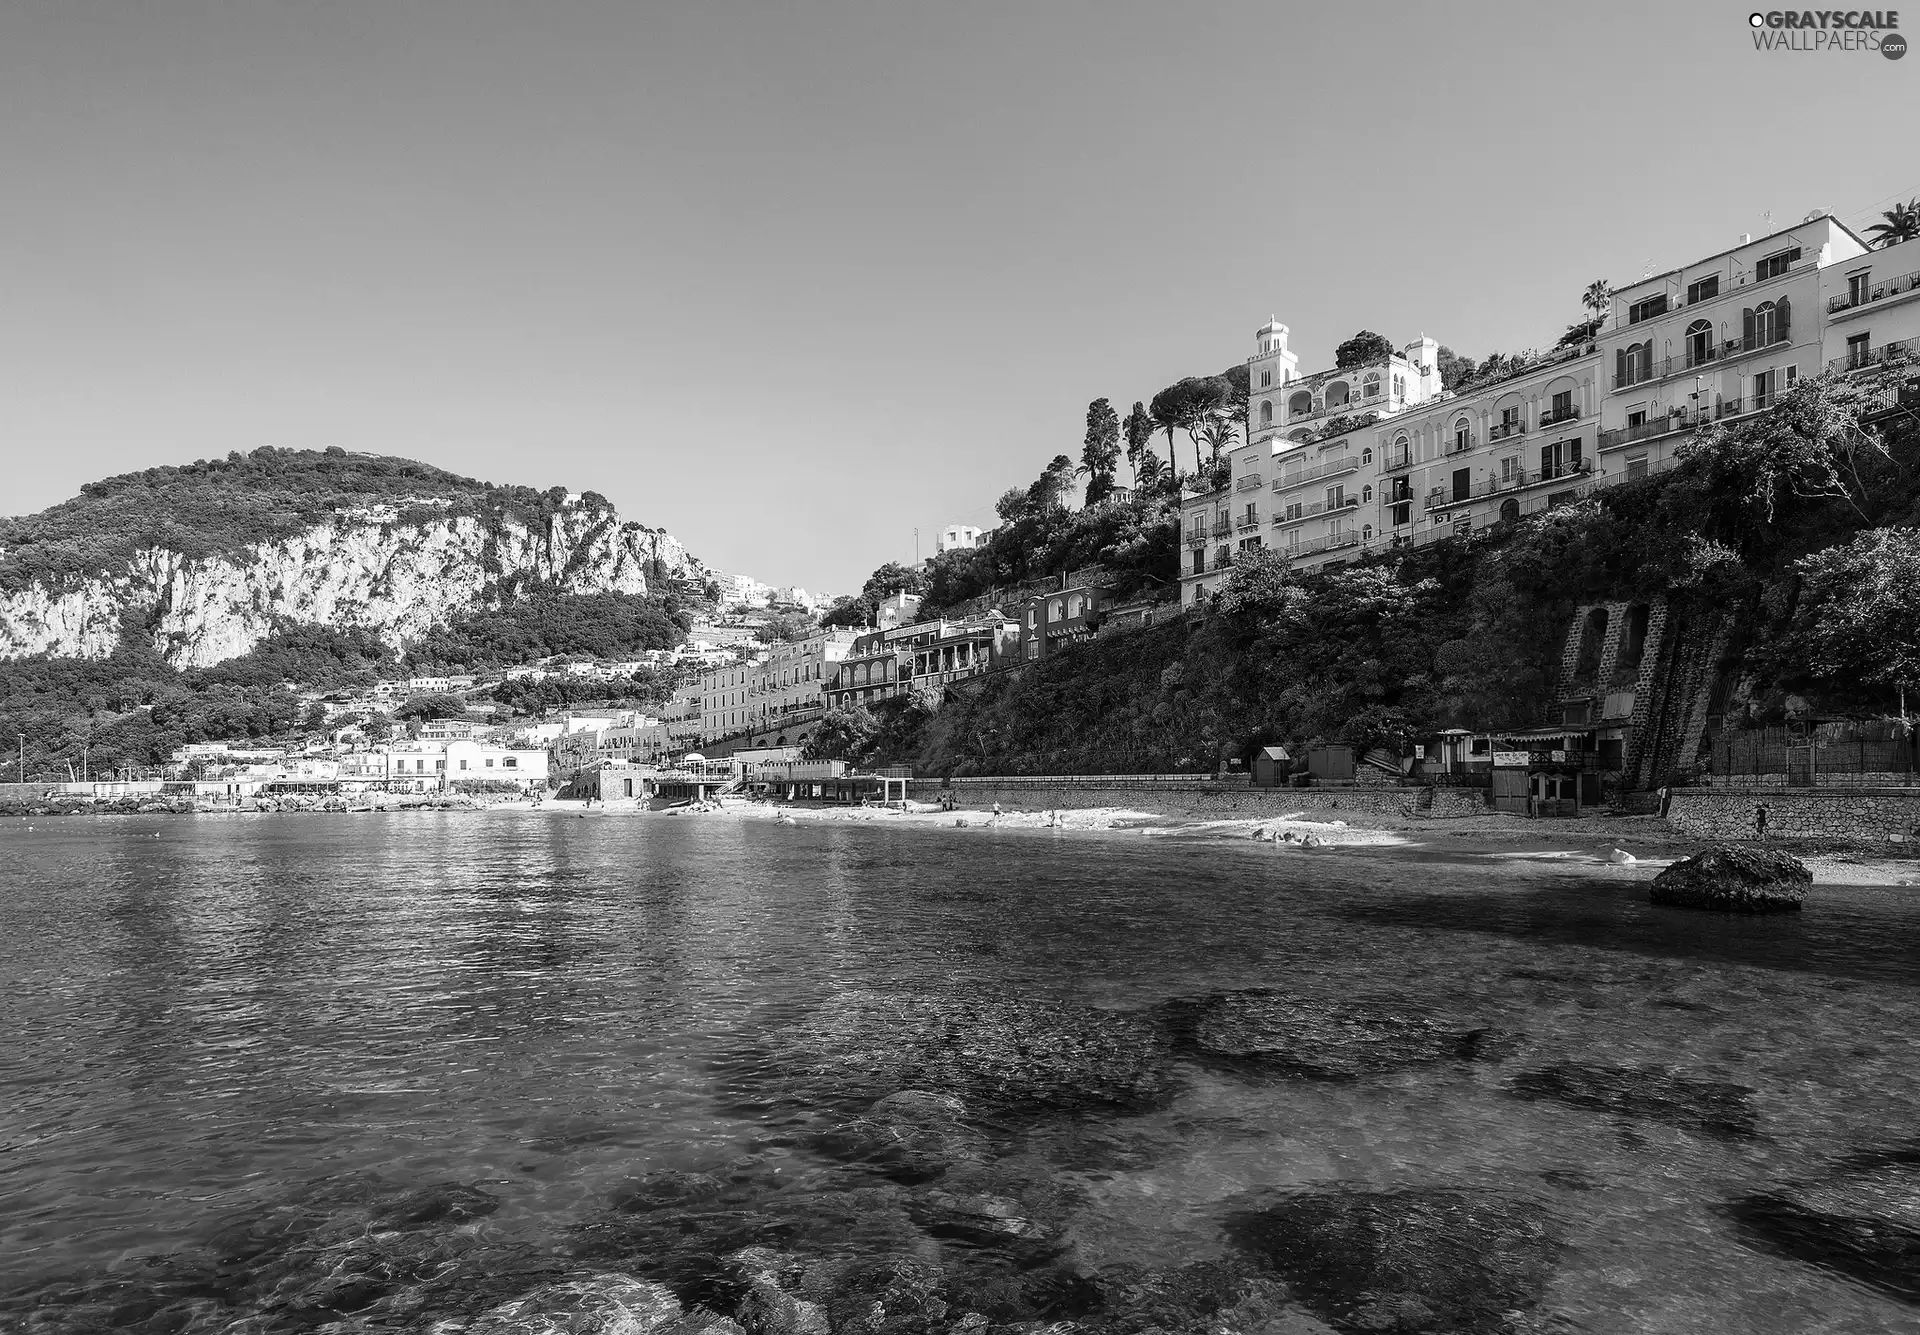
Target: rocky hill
207 560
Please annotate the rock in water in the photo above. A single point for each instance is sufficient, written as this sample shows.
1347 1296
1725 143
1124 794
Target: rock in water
605 1304
1706 1107
1419 1260
1864 1224
1619 857
1734 880
997 1053
912 1136
1330 1040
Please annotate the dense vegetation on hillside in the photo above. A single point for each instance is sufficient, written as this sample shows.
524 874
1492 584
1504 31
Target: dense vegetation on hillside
543 623
1800 527
218 506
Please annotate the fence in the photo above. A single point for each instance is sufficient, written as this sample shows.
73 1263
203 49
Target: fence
1823 756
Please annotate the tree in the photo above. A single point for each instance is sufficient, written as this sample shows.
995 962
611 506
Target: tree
844 734
784 627
881 585
432 706
1859 610
1897 224
1055 481
1139 428
1100 455
1220 432
1362 349
1257 585
1455 370
1598 299
1187 404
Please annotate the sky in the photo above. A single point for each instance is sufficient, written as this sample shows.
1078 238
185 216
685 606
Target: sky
791 280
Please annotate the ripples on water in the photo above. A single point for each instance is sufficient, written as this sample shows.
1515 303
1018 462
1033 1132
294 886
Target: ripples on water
199 1024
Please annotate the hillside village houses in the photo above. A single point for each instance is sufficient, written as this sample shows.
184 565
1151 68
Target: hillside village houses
1720 338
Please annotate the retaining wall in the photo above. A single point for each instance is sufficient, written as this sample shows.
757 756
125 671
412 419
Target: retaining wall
1859 817
1183 797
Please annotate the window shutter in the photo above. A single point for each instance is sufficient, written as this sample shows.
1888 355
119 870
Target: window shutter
1619 366
1646 360
1546 458
1573 451
1782 318
1746 328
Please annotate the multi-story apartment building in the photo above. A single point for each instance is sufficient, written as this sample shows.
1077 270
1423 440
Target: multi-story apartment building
1717 339
883 663
1871 307
1722 337
1295 481
787 683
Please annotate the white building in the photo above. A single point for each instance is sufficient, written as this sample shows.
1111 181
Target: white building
1871 305
958 538
788 682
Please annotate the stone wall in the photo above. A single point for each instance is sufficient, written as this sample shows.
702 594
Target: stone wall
1459 802
1194 797
1881 819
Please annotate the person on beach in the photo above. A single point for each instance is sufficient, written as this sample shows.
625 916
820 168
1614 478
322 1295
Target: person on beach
1760 819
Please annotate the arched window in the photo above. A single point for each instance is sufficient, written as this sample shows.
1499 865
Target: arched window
1266 412
1366 455
1699 342
1366 530
1370 387
1338 395
1509 510
1301 404
1462 434
1073 605
1634 363
1366 495
1769 322
1053 610
1402 451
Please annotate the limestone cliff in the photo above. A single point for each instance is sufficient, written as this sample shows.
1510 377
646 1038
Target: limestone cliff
397 568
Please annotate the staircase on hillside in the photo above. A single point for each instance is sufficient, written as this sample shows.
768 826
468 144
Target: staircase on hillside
1668 736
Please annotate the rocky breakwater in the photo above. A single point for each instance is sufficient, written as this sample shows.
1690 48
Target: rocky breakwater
398 573
1734 880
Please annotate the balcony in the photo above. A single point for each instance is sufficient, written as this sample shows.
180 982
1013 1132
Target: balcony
1661 368
1222 527
1247 521
1652 427
1328 543
1302 514
1300 477
1860 361
1893 287
1553 417
1504 430
1251 482
1461 444
1196 537
1727 408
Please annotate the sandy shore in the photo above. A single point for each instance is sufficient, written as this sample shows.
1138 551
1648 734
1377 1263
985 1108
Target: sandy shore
1585 842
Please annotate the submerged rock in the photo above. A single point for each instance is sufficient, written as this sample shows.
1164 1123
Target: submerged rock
995 1053
1268 1030
443 1203
911 1136
1734 880
1417 1260
1863 1224
1705 1107
605 1304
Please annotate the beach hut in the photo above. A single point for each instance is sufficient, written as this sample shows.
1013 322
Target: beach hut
1270 767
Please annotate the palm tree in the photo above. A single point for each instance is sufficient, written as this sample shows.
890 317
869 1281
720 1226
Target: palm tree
1149 470
1598 297
1219 431
1899 223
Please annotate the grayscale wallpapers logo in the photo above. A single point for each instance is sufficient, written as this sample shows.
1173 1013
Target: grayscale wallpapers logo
1825 30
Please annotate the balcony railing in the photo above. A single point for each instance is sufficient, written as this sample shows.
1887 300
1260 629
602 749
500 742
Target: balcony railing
1329 542
1728 408
1303 513
1222 527
1247 521
1345 464
1502 430
1460 444
1197 537
1442 498
1694 357
1553 417
1893 287
1860 361
1250 482
1647 430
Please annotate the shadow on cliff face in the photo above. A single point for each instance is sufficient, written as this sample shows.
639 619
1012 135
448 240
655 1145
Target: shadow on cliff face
1842 934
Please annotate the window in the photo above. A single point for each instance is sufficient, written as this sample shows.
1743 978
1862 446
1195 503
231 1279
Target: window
1401 452
1401 514
1266 412
1338 396
1336 497
1859 350
1648 309
489 762
1295 510
1366 533
1703 289
1402 489
1370 387
1366 495
1637 417
1253 514
1462 484
1636 467
1200 560
1301 404
1560 458
1073 603
1857 287
1399 387
1562 408
1053 610
1366 455
1632 364
1266 379
1250 544
1698 342
1768 323
1765 386
1775 265
1462 435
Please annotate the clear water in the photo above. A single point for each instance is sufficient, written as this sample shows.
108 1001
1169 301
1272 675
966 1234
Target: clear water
199 1016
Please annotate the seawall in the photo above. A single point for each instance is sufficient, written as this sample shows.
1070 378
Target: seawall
1219 800
1862 817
